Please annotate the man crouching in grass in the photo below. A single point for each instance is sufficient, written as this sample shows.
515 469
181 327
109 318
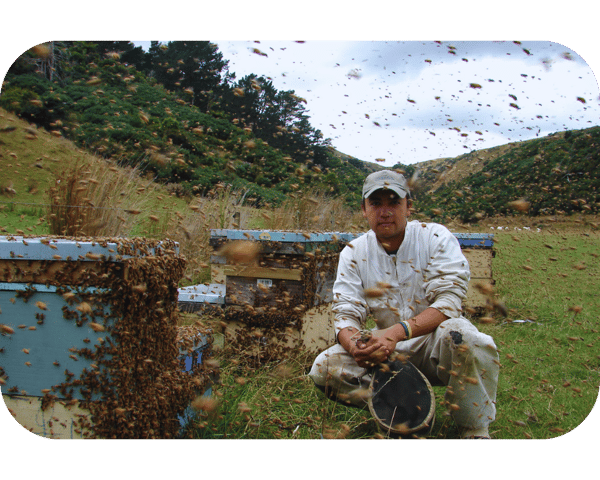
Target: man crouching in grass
424 278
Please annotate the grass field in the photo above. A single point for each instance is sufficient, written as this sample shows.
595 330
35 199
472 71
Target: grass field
551 367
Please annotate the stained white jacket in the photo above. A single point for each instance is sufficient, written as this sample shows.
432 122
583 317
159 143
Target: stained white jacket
429 270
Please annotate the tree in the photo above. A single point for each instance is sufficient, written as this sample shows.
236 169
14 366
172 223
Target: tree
46 59
277 117
193 69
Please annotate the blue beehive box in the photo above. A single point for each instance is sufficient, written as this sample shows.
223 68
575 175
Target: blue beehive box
475 240
58 310
33 307
201 297
478 249
36 356
191 359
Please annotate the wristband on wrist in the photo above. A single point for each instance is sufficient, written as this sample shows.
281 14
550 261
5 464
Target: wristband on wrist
407 329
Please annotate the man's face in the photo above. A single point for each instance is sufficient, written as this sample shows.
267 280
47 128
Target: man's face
386 214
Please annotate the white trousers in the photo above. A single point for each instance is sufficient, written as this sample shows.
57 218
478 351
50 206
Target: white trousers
456 354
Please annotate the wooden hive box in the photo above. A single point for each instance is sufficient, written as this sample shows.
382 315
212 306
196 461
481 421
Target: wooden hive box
478 248
289 285
89 339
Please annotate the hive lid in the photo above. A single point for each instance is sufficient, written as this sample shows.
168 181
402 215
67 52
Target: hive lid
282 236
480 240
51 248
465 239
213 293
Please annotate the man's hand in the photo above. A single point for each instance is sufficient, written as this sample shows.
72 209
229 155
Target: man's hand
374 350
368 354
382 343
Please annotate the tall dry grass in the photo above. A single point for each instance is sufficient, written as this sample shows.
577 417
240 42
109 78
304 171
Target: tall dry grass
191 227
94 199
313 210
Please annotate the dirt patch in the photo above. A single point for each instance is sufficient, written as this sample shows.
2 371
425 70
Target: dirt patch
454 170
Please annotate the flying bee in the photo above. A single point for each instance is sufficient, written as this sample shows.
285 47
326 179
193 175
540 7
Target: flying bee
42 50
94 80
6 329
240 251
374 292
520 205
258 52
84 307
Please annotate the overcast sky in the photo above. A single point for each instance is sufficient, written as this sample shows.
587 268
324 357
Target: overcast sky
413 101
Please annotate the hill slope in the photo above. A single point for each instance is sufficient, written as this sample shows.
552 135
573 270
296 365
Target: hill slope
558 174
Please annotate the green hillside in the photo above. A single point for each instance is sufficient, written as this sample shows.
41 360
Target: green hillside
558 174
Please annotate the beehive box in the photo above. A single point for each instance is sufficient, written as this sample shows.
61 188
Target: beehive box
61 419
478 248
288 286
297 265
89 343
196 298
194 345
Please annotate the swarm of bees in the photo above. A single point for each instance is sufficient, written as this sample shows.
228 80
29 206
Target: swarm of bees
114 414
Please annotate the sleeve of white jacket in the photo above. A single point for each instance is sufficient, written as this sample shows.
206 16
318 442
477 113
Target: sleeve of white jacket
448 274
349 302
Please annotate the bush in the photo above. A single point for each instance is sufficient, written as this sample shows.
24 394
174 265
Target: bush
32 81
